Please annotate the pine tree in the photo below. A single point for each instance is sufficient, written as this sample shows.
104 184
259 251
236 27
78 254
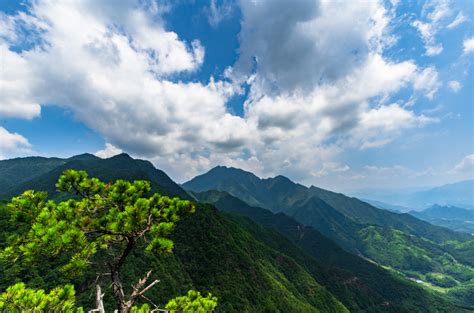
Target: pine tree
113 219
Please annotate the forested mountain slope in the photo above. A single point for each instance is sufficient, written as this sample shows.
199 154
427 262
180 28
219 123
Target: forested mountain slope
249 267
421 251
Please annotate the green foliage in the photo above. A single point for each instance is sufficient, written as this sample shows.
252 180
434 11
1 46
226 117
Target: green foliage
29 173
105 217
113 218
399 241
19 298
145 308
421 259
360 285
250 269
192 302
226 258
20 170
212 253
441 280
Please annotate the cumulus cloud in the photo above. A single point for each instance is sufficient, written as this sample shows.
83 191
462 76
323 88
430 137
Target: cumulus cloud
318 82
314 77
108 151
12 144
16 81
468 45
454 85
295 46
112 64
428 34
381 125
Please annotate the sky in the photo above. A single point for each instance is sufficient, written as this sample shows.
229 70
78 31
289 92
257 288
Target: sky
339 94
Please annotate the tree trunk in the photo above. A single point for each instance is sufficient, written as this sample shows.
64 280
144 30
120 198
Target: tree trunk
122 305
118 292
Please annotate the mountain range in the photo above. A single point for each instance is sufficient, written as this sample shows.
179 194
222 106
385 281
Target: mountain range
434 256
270 244
460 194
451 217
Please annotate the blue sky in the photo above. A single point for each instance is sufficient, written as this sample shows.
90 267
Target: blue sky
336 94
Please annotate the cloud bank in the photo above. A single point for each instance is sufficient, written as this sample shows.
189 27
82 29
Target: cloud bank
318 82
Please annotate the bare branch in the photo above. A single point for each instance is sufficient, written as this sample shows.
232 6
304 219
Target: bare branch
98 301
149 287
139 289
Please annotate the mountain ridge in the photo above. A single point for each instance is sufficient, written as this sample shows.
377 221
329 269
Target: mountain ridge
280 263
439 257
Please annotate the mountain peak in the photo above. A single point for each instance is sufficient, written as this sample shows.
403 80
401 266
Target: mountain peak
229 172
84 156
122 155
282 178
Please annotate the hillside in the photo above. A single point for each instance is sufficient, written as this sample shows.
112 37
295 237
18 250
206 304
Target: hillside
111 169
249 267
417 249
279 194
212 253
356 280
16 171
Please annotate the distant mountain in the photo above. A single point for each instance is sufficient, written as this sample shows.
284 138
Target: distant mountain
460 194
455 218
387 206
279 194
457 194
402 242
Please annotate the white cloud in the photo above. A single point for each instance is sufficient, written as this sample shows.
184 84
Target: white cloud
295 48
318 82
330 168
108 151
428 33
435 14
12 144
427 81
454 85
468 45
381 125
466 166
16 80
110 65
458 20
